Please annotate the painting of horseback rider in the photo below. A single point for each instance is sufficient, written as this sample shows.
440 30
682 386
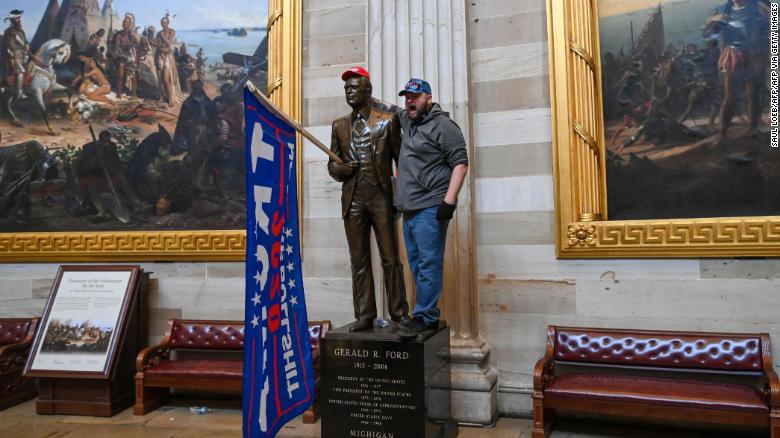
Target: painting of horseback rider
159 84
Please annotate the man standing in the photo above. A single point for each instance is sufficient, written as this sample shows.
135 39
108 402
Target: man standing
742 26
15 50
125 50
368 140
431 169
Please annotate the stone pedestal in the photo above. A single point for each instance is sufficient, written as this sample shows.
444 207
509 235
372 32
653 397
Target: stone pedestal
373 384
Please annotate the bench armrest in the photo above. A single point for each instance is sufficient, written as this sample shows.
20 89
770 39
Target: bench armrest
14 355
772 388
155 354
771 382
544 370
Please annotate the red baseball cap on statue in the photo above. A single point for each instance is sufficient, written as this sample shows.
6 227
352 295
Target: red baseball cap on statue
355 71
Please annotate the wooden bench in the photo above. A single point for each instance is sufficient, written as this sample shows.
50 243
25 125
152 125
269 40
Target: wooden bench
722 378
157 371
16 336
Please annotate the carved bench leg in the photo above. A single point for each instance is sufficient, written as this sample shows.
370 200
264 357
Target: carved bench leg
148 399
16 389
544 419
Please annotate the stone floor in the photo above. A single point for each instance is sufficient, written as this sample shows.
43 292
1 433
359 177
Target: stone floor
177 422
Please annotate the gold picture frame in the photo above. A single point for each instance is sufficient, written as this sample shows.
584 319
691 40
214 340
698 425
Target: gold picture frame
582 226
284 89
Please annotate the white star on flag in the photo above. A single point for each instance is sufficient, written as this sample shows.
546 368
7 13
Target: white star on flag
290 267
256 299
255 321
294 300
257 278
288 249
291 284
288 232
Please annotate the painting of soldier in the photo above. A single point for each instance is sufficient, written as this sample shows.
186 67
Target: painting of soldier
125 114
686 109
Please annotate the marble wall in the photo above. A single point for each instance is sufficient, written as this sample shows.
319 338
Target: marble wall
522 286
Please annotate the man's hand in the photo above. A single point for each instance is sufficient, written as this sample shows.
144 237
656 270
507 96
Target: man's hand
345 170
445 211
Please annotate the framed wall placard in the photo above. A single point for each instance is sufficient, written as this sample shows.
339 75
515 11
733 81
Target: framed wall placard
84 322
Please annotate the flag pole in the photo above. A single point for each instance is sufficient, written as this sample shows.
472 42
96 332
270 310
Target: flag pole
279 113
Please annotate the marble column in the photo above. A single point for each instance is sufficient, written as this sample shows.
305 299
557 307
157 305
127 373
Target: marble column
427 39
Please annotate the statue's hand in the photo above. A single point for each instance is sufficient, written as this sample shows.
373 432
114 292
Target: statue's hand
345 170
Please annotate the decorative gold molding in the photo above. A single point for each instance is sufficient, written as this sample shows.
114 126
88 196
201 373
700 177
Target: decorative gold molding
119 246
581 235
285 72
580 171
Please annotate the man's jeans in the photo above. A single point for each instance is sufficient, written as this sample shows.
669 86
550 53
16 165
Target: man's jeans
425 236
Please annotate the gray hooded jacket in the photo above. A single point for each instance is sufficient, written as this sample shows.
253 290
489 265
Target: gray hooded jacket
430 150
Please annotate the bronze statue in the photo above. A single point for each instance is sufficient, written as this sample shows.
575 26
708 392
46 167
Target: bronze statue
368 140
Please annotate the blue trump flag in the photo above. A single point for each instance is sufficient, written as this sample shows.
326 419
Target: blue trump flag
278 374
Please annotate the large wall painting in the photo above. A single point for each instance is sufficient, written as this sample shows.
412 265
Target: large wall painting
126 115
661 128
686 109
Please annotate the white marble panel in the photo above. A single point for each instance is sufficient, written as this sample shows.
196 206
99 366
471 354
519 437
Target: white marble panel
324 233
322 52
507 62
334 21
310 151
538 262
231 314
32 270
521 296
311 5
322 194
492 8
176 269
515 402
329 299
514 194
743 269
15 289
41 288
325 81
512 127
225 269
174 293
326 263
525 228
749 299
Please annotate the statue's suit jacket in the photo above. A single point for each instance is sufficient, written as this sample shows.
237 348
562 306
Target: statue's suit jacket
386 143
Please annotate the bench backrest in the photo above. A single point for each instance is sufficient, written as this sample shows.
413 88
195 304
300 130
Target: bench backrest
207 335
225 335
709 351
15 330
